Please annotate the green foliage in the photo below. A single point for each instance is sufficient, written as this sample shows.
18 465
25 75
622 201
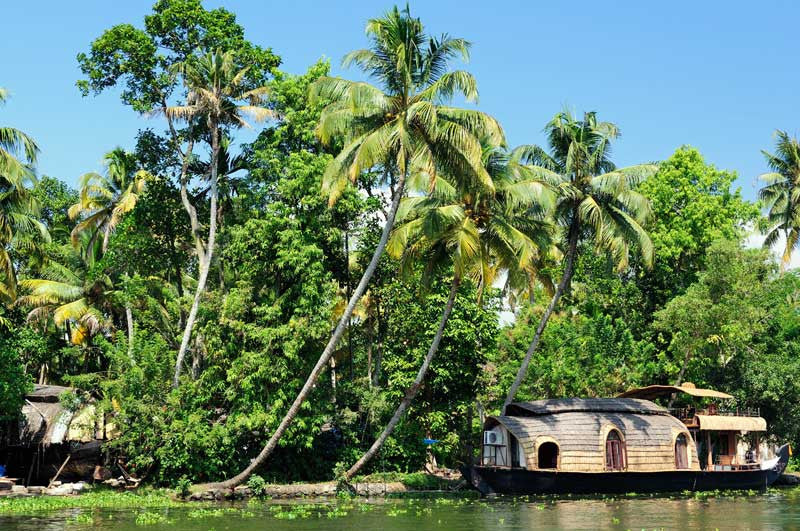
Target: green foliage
581 355
140 59
257 485
14 380
287 258
693 206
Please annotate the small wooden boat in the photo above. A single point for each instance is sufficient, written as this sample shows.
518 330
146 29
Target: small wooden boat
625 444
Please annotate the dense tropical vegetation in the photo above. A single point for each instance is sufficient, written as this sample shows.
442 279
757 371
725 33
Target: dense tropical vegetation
200 287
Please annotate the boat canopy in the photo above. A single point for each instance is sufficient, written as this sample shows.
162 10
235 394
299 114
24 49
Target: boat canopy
731 423
654 391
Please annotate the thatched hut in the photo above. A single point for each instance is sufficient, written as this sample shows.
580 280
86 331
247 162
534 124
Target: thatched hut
588 435
48 432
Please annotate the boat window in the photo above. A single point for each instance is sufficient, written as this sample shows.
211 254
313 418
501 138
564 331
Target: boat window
615 451
548 455
681 452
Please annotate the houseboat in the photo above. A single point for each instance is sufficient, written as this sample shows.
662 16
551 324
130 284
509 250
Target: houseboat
625 444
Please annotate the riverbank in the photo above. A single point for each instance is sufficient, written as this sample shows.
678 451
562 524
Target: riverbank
80 495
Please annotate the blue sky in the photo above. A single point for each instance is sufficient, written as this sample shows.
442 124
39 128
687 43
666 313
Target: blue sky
721 76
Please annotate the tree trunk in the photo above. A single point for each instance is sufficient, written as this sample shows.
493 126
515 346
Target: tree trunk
412 391
204 258
129 319
106 236
326 354
681 374
333 379
572 251
369 359
791 241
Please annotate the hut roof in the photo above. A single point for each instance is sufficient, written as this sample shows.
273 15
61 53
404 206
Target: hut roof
731 423
45 421
654 391
597 405
46 393
578 431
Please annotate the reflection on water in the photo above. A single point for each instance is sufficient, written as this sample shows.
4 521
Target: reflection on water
778 509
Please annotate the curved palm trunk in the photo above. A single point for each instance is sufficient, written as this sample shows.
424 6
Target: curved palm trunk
205 260
326 354
412 391
106 236
572 251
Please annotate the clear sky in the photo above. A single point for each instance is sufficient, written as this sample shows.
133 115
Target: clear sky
719 75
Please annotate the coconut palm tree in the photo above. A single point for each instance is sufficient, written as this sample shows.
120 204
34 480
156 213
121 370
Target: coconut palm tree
19 228
69 296
597 202
394 128
477 231
217 99
105 199
18 208
18 151
781 195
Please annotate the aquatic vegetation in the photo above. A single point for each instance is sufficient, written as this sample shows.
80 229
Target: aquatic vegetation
81 519
150 518
213 513
99 498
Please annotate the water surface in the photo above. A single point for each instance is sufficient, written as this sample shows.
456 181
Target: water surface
777 509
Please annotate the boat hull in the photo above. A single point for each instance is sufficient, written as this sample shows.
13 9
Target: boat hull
494 480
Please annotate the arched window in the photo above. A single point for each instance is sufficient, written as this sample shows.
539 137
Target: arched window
548 455
615 451
681 452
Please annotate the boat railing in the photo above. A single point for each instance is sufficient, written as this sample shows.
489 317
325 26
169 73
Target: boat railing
687 414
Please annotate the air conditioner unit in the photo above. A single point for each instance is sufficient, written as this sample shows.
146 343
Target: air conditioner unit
492 437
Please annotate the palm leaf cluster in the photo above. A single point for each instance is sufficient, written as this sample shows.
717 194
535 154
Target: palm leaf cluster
67 296
595 197
19 224
216 86
105 199
401 126
481 231
781 194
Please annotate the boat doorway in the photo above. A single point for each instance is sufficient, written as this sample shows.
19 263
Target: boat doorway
513 448
548 455
681 452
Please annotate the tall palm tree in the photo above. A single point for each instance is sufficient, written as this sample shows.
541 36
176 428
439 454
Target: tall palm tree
18 208
105 199
396 127
480 232
217 100
781 194
597 202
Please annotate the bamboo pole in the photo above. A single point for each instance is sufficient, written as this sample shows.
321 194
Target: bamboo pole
59 471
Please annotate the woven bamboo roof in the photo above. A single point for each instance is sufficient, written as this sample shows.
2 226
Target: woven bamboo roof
731 423
654 391
46 393
579 431
45 421
598 405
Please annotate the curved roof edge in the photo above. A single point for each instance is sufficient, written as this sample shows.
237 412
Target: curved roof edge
731 423
598 405
654 391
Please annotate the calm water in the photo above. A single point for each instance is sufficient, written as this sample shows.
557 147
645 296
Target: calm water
774 510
